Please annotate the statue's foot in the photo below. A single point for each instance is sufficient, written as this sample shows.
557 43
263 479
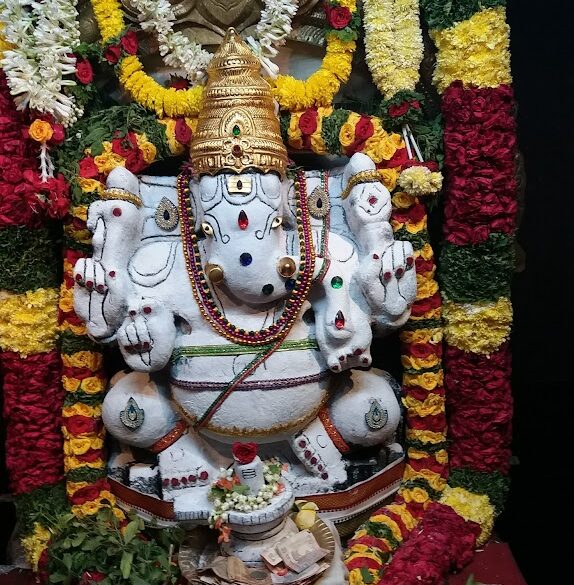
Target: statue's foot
188 464
318 453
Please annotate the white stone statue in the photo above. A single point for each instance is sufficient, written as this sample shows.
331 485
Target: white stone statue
245 303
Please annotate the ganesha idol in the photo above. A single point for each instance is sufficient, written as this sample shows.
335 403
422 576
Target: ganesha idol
244 303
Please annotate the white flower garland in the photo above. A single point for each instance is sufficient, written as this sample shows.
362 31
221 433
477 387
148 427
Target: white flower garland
245 502
176 49
43 35
394 44
181 53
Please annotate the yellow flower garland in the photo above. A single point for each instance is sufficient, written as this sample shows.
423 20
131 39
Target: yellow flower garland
29 321
475 51
320 88
480 327
165 102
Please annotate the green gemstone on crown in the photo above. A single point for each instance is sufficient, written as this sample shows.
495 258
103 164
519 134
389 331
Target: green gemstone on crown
236 130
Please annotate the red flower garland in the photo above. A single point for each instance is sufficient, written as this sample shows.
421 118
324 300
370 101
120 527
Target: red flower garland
480 409
32 395
442 541
480 146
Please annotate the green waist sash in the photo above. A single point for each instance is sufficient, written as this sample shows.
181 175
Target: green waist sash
235 349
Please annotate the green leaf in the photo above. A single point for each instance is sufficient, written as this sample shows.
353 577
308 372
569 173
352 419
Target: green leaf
366 576
241 489
130 531
126 563
57 578
67 560
78 539
138 580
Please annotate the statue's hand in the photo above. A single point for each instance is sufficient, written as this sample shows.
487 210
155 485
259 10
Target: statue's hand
389 282
102 282
146 337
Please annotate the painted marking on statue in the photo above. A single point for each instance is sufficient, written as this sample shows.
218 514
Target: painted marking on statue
377 416
133 416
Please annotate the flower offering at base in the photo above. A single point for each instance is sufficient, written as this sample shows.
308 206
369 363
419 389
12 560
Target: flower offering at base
248 466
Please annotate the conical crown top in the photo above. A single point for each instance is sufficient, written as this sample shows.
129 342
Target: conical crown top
237 126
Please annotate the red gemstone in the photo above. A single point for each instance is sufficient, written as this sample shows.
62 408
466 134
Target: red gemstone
174 481
242 220
78 277
313 460
324 476
372 200
132 313
112 273
307 454
89 284
117 211
203 475
375 256
165 482
365 360
410 261
184 480
236 150
358 351
399 272
192 478
320 467
388 275
147 310
339 320
100 288
302 444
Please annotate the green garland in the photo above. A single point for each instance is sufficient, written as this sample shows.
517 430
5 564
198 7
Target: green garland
28 257
441 14
88 474
71 343
413 115
479 272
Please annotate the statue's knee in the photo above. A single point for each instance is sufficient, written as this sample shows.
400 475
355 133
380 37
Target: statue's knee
137 409
366 411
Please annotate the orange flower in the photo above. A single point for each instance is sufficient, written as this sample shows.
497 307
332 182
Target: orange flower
40 131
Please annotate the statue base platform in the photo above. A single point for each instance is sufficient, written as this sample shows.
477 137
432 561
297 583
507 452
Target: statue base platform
344 507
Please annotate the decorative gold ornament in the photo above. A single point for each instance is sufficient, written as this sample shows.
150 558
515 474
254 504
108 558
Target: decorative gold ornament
214 273
115 193
319 204
237 128
286 267
361 177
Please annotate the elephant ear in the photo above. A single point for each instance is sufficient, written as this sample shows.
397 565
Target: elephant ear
357 163
121 178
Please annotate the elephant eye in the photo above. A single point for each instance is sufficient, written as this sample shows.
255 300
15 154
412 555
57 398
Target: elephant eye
207 229
276 222
166 215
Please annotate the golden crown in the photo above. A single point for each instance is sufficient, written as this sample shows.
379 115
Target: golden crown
237 127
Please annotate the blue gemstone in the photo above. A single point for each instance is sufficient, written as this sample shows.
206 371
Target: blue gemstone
290 284
245 259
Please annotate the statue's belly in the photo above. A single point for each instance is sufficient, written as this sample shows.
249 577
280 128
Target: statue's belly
281 396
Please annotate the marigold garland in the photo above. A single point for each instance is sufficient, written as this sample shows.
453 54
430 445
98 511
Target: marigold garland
165 102
320 88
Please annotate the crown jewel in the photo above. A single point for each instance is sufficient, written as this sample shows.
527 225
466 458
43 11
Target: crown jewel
237 127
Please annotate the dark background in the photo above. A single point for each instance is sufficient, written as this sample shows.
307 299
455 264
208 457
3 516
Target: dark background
537 522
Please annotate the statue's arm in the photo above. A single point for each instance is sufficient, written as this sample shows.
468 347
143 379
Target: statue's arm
102 283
